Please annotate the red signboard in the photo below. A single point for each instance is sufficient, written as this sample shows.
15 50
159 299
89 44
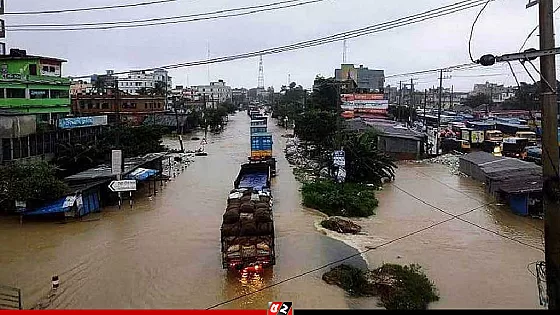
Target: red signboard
361 97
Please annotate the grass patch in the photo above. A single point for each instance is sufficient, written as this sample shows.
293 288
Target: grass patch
333 199
398 287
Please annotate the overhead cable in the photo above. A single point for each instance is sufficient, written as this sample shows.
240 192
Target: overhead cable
110 7
431 14
157 21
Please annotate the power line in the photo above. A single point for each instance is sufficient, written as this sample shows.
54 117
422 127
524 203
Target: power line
472 28
431 14
533 31
123 24
341 260
91 8
469 222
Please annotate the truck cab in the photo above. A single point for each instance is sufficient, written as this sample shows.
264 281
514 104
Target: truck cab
494 135
529 135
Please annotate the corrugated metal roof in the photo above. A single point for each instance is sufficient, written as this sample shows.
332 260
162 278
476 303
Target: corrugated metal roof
104 171
480 157
519 185
509 165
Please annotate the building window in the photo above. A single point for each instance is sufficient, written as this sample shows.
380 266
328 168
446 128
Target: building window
15 93
52 69
45 68
82 104
89 105
105 106
33 69
60 94
2 93
138 83
158 105
145 105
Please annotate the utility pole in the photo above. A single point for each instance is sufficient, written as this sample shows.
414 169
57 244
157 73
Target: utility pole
439 110
451 99
551 187
425 101
400 92
411 104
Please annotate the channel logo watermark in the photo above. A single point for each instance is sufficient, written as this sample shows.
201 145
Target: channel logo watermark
279 308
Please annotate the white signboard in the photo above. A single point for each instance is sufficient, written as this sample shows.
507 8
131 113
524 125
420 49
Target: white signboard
122 185
116 162
341 175
339 158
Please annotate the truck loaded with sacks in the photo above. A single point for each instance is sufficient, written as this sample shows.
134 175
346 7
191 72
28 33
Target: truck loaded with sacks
247 232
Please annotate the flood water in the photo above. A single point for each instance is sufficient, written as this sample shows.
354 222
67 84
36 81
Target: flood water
165 253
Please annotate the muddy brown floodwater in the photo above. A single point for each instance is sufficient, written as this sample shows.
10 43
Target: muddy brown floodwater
165 253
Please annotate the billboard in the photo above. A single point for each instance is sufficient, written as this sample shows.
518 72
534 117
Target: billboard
348 72
364 102
80 122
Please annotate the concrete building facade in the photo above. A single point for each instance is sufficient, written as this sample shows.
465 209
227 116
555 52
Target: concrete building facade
367 80
34 85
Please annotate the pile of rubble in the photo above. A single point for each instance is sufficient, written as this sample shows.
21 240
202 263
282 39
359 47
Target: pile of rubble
294 154
449 160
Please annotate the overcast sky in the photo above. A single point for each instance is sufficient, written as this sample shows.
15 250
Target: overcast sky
436 43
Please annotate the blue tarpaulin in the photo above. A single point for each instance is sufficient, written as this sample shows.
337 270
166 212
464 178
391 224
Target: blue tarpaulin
256 181
141 174
59 206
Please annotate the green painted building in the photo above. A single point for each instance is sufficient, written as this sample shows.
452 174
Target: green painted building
34 85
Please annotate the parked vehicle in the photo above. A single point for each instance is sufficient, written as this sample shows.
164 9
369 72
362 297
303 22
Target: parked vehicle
529 135
533 154
514 147
452 144
493 147
494 135
247 232
474 137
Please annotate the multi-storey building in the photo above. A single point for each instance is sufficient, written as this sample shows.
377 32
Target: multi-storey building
34 84
367 80
142 80
212 95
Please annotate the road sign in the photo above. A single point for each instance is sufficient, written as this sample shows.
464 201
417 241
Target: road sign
122 185
116 162
339 158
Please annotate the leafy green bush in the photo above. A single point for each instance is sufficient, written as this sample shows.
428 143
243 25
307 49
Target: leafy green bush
333 199
398 287
413 290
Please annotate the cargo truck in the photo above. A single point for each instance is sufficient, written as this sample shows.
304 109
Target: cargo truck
261 150
247 232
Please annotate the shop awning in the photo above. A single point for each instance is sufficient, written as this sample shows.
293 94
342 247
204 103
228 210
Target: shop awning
141 174
59 206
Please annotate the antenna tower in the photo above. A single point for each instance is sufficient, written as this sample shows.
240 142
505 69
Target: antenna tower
260 84
344 51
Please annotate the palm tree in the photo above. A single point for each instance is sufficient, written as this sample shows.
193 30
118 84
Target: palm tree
364 162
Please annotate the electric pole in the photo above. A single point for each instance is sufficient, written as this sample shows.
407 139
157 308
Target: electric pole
439 109
411 103
451 99
400 92
551 187
425 101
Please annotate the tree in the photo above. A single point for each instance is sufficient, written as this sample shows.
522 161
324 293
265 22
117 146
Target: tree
34 182
526 97
364 162
133 141
73 158
476 100
325 95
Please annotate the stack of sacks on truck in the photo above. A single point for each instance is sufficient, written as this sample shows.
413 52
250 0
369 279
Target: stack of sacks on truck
248 217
